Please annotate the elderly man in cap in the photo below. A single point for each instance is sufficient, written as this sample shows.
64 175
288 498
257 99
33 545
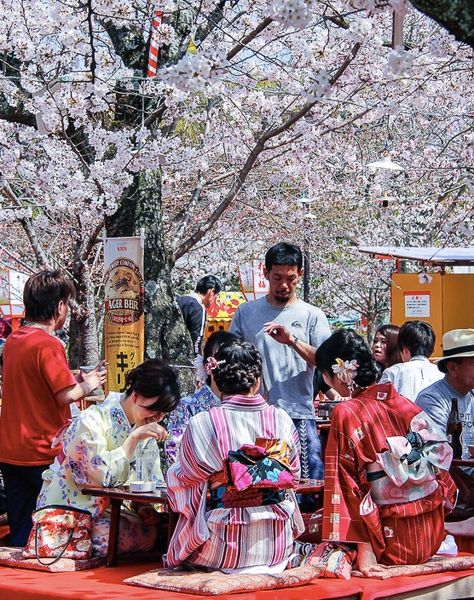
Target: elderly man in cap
450 403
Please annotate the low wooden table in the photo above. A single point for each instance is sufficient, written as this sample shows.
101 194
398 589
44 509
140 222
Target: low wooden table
117 495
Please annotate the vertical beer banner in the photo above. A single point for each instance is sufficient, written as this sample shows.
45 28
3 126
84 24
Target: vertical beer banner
124 323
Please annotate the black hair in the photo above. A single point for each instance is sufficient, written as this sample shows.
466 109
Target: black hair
215 341
284 254
346 344
42 293
154 377
208 282
240 368
418 337
392 351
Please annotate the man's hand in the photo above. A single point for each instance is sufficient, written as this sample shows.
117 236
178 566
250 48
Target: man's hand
279 333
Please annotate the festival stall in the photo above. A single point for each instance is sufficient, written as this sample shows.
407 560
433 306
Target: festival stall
219 316
440 295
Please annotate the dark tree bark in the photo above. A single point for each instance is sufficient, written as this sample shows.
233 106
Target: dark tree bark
83 342
165 333
457 16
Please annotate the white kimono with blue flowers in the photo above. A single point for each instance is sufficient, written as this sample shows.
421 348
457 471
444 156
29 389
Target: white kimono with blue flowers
93 455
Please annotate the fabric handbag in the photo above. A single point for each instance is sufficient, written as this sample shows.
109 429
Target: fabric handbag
265 464
59 532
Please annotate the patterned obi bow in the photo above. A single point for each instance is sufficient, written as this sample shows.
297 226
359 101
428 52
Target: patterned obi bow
412 457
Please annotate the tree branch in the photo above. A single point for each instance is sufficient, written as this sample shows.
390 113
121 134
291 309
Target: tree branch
251 160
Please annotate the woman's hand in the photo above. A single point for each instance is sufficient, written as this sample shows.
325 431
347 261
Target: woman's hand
150 430
367 561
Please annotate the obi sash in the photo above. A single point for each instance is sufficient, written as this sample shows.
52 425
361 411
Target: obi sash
407 471
254 475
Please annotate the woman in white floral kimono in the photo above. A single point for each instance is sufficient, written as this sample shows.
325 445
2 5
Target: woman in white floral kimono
100 447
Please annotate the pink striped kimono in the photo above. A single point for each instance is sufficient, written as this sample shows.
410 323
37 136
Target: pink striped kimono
230 538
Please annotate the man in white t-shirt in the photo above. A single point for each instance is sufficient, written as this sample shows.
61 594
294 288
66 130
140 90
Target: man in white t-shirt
416 341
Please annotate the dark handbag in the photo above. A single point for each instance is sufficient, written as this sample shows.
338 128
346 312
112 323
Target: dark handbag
59 532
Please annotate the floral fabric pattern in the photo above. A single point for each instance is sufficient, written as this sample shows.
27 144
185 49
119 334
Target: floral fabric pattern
92 455
202 400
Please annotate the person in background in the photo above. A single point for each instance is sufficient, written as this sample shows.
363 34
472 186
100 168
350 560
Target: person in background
287 332
219 527
38 388
450 403
193 308
385 346
416 342
100 448
374 495
203 398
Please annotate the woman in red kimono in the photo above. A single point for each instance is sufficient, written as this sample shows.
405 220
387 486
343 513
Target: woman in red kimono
386 482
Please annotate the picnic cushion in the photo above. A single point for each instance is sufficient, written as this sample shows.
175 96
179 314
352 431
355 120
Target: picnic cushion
436 564
12 557
216 582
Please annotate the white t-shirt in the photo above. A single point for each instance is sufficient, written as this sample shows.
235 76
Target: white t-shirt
411 377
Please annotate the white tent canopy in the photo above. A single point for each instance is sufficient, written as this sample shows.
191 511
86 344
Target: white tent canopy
435 256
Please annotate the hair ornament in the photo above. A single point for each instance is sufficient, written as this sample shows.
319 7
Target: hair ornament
346 371
211 364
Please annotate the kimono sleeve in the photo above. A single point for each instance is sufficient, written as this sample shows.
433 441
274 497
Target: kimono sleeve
342 493
86 448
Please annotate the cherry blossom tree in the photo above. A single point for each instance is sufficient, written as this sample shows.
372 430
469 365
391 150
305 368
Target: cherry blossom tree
254 104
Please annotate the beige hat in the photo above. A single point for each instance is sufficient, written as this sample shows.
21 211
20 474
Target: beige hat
457 343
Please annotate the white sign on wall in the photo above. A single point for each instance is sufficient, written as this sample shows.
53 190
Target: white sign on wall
417 304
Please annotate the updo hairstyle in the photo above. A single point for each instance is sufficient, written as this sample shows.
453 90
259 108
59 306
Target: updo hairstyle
151 378
240 369
213 343
348 345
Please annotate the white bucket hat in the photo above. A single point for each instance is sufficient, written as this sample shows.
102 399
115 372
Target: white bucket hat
457 343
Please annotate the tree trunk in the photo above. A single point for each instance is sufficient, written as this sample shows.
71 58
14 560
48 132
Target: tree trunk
166 335
83 340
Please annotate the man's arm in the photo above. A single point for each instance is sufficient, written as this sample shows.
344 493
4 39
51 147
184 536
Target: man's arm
92 380
281 334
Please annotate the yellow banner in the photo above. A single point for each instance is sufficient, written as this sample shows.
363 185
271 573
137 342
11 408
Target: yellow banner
124 324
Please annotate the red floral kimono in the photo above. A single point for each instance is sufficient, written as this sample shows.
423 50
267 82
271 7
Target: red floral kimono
386 479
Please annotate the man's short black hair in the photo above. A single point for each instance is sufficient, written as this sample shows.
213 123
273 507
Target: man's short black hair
418 337
208 282
284 254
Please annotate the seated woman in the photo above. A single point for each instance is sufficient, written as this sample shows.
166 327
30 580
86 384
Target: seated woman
220 527
385 346
99 449
386 482
203 398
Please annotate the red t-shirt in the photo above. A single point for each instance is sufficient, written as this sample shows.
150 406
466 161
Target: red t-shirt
34 370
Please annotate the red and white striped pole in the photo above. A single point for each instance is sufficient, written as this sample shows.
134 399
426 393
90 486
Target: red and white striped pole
154 51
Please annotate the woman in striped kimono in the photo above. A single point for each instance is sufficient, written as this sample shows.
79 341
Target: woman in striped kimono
387 486
226 523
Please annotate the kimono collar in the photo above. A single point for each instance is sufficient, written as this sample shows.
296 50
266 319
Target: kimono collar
377 391
239 402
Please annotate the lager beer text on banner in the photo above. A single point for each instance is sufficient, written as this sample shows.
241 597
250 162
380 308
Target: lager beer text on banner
124 325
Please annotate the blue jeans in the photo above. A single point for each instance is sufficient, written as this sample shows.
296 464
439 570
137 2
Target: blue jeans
310 457
22 486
